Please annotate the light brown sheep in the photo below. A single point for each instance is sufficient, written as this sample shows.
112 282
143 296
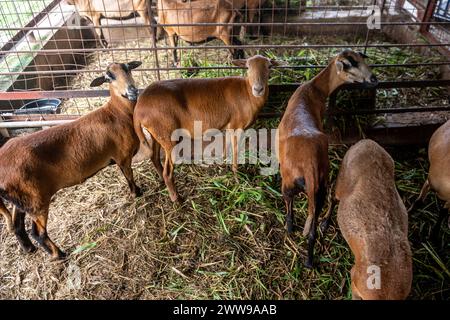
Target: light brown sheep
96 10
374 222
176 12
439 173
220 103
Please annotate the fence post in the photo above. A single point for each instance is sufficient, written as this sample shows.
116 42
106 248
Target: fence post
3 131
399 4
428 14
154 29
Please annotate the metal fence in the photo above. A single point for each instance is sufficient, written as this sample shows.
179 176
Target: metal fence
52 49
443 10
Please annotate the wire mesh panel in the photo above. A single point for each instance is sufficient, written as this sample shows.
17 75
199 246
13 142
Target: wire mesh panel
52 49
443 10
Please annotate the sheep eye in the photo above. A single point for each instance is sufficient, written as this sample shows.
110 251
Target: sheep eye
346 65
352 61
110 76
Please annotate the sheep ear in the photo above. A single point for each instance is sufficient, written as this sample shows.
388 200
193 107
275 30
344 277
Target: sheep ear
98 81
343 64
133 64
239 62
363 55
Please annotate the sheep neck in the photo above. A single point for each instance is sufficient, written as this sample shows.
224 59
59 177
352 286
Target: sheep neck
315 93
121 104
327 80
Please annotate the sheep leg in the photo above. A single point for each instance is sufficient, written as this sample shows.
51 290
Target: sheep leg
99 31
7 215
234 146
327 218
143 12
173 41
18 219
168 175
237 53
311 241
318 200
231 41
251 18
156 158
421 198
39 233
355 292
289 201
289 193
125 167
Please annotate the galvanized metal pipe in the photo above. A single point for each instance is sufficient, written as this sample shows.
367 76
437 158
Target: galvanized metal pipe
32 124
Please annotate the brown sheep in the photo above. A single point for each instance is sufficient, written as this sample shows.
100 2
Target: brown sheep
220 103
199 11
252 7
34 167
303 146
374 222
439 173
96 10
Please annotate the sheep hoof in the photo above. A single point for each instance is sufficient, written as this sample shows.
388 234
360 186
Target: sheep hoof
61 256
305 231
137 192
324 226
29 248
10 228
175 197
309 264
289 227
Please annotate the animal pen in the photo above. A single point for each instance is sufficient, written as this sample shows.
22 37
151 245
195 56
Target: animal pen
227 241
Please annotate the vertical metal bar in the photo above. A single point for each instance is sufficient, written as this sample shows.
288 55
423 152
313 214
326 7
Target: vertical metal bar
368 30
429 11
373 98
383 6
155 37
